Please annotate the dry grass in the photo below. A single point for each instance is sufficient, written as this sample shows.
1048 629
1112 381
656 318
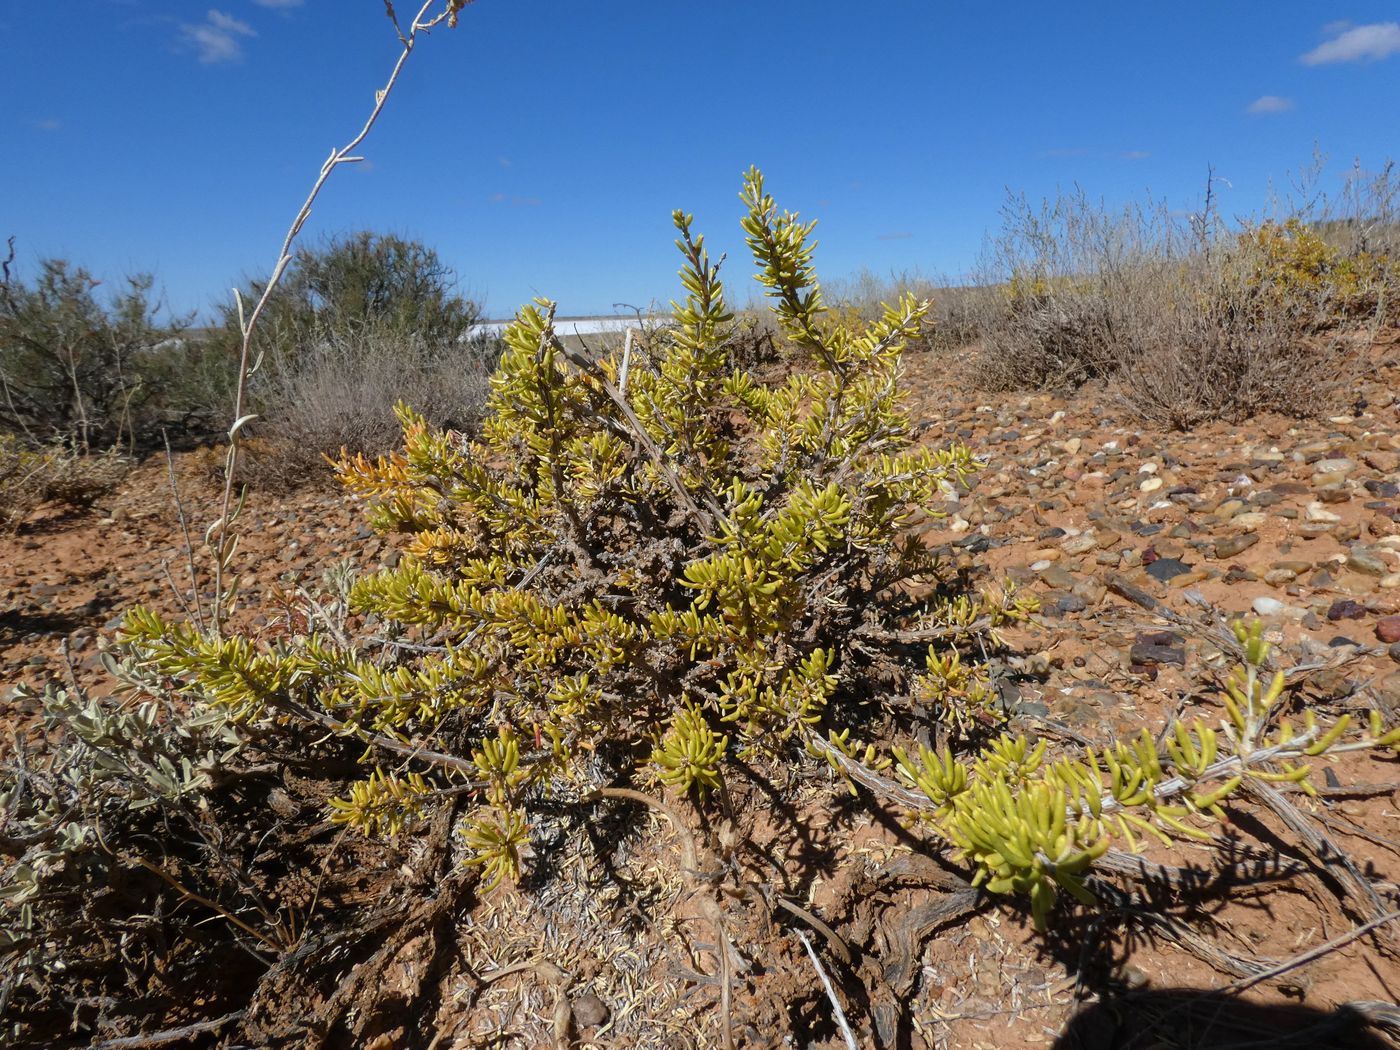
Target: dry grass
30 478
1182 319
340 390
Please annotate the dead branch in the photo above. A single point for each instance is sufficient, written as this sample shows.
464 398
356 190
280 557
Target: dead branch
1312 954
837 1012
169 1035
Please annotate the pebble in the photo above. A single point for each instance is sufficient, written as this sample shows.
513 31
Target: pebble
1365 561
1388 629
589 1011
1081 544
1231 546
1334 466
1268 606
1165 569
1346 609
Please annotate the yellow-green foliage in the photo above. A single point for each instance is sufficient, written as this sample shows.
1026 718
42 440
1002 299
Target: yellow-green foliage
653 563
1031 824
1291 259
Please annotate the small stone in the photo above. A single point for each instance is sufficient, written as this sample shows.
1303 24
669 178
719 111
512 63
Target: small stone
1090 589
1268 606
1150 485
1230 546
1364 561
1346 609
1157 647
590 1011
1388 629
1080 544
1334 495
1229 509
1385 462
1334 466
1061 604
1389 687
1165 569
1389 581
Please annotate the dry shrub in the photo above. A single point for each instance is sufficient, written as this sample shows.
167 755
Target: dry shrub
339 392
30 478
1181 319
1049 342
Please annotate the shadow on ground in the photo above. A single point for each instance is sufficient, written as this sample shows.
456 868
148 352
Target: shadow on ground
1190 1019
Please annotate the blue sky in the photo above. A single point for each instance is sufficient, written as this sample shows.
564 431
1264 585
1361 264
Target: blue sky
541 146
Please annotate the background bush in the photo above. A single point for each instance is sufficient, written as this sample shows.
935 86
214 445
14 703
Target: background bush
355 326
29 478
74 368
1183 318
339 392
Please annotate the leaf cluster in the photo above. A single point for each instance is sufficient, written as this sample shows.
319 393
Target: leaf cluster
648 561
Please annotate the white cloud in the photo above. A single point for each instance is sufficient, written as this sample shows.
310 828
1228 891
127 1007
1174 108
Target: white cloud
218 38
1269 104
279 5
48 124
1135 154
1368 43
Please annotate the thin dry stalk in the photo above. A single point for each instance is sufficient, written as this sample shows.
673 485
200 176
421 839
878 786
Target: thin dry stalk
220 535
1312 954
838 1013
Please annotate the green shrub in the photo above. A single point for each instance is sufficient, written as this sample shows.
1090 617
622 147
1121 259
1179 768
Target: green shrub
660 570
73 368
1290 261
355 283
658 574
